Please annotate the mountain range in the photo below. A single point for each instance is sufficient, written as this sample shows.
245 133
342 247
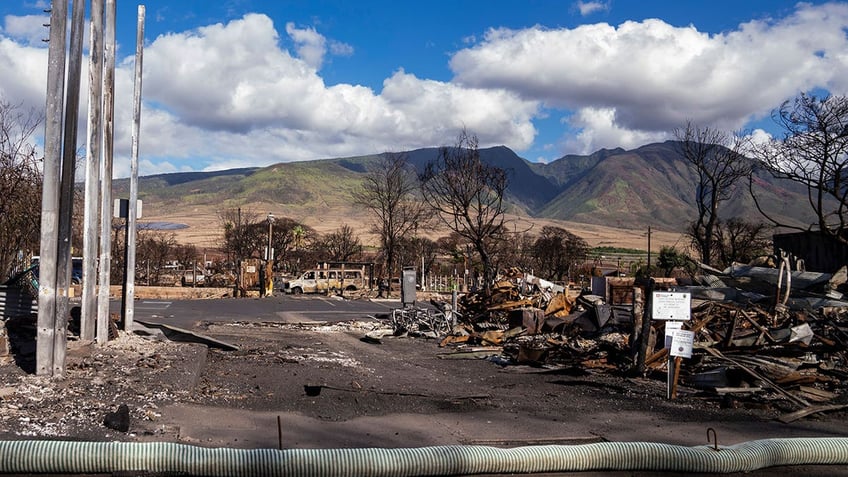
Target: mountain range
648 186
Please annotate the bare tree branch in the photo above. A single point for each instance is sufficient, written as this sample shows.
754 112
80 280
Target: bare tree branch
812 153
719 163
388 192
20 185
468 196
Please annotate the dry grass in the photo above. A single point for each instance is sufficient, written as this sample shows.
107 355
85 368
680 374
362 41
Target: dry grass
204 229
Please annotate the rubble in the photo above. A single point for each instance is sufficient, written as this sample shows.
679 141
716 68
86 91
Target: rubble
130 369
760 340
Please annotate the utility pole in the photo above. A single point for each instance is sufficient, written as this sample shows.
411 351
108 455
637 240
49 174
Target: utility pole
92 173
132 209
106 173
66 193
50 194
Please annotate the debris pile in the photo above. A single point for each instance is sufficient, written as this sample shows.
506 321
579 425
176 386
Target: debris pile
750 346
106 392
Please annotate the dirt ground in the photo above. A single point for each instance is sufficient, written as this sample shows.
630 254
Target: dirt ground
328 373
323 386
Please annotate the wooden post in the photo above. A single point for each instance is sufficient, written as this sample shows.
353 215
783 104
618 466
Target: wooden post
728 335
675 375
635 333
645 334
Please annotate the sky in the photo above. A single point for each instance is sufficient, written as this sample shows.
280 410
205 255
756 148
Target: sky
241 83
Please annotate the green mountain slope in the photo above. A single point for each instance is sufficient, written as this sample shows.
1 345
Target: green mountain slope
650 185
653 185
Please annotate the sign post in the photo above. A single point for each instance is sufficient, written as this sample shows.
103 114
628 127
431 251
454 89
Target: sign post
674 308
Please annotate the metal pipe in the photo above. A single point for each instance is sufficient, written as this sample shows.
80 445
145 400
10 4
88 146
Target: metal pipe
132 209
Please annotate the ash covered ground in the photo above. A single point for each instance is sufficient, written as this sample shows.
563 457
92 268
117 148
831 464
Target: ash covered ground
328 374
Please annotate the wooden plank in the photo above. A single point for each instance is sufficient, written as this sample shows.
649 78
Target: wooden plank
728 390
786 394
815 394
794 416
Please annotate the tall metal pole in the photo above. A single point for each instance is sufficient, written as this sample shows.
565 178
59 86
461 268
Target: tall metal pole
132 210
66 194
106 173
50 194
91 219
268 285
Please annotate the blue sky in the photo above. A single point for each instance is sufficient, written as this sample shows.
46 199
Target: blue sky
251 83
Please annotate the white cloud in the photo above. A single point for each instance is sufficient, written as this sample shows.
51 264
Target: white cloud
655 76
311 46
588 8
29 28
340 49
230 94
598 129
24 74
758 139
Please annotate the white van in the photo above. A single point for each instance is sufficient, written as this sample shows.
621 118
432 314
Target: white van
326 280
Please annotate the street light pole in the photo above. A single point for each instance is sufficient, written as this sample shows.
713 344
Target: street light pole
269 256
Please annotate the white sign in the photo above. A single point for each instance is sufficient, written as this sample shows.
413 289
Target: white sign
671 306
670 328
681 343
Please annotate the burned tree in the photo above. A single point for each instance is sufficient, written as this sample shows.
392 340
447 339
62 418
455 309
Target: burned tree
288 238
741 241
186 255
427 250
20 185
556 250
719 163
155 248
468 195
244 234
388 192
670 258
812 153
342 245
519 251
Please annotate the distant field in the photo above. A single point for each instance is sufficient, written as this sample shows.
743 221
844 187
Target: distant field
203 226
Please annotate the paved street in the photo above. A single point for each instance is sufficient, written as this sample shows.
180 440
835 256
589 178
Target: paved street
281 308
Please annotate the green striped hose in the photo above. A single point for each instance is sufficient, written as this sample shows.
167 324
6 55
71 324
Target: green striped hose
107 457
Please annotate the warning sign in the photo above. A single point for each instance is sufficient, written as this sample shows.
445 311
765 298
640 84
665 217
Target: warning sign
671 306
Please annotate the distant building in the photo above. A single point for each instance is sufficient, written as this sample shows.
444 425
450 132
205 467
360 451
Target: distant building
819 253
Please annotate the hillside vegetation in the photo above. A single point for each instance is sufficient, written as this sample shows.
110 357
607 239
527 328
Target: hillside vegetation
609 198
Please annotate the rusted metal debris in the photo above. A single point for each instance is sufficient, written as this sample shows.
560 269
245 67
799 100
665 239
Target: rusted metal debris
749 347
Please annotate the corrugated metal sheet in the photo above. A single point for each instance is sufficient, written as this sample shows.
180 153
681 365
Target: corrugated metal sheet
819 253
15 302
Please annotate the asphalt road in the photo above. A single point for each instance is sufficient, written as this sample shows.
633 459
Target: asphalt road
282 309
